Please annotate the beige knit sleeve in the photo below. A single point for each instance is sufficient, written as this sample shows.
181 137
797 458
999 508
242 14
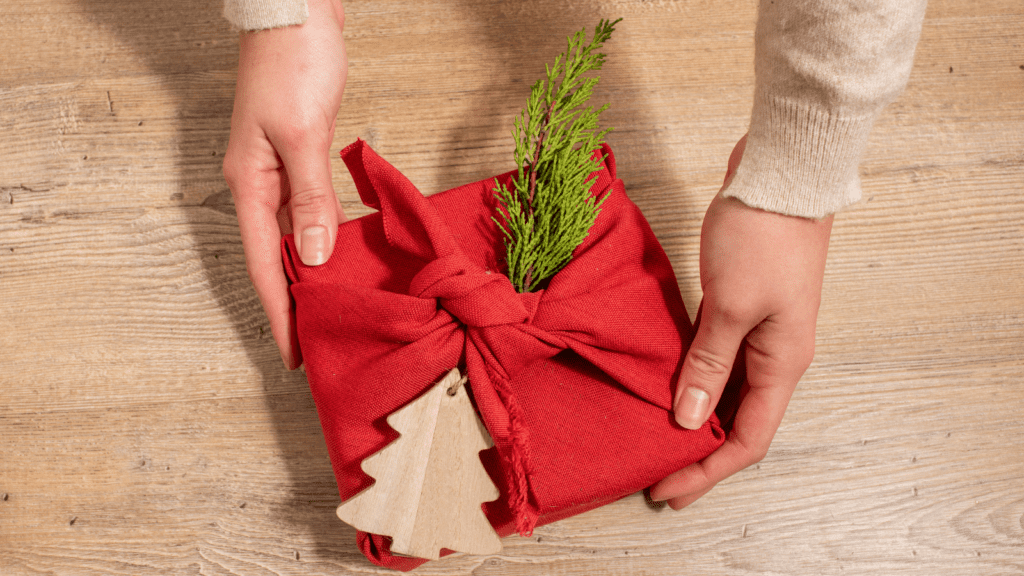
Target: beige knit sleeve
824 71
262 14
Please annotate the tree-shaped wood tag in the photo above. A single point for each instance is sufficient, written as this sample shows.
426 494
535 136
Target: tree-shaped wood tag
430 482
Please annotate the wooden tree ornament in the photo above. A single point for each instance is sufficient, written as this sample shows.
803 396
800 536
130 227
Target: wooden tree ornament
430 482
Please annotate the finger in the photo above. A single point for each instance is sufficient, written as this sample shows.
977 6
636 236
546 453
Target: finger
699 477
315 210
684 501
708 364
284 217
261 241
341 211
758 418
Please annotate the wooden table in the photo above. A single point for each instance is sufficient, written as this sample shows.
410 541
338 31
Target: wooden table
147 425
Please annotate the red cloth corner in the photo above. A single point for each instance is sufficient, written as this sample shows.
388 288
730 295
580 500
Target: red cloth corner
574 382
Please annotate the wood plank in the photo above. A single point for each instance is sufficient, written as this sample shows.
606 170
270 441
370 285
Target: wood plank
148 427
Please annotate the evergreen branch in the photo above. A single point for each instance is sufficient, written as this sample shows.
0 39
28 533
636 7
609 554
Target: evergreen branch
548 210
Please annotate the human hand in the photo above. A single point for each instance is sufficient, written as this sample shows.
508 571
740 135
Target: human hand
761 274
290 82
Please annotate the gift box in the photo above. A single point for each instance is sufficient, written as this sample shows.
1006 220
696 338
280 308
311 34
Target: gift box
574 382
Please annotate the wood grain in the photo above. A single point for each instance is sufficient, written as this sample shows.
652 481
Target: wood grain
147 425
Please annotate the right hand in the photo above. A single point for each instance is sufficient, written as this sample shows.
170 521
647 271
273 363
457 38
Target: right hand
290 82
762 275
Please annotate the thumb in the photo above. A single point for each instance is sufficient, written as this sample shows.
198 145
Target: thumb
313 205
707 366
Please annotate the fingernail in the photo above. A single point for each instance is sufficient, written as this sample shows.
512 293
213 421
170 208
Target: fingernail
315 244
691 408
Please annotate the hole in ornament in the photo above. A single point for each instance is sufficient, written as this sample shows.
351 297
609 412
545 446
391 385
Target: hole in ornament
455 387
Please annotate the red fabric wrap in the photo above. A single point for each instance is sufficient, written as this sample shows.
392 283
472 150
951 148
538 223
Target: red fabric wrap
574 382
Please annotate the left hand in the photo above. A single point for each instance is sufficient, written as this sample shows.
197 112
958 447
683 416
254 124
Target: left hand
761 274
290 83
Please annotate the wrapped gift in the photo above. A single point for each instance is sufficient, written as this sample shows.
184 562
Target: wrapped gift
574 382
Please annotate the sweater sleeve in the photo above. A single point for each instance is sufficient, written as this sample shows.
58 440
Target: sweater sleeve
251 15
824 71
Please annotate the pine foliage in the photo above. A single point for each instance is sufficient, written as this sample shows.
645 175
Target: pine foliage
548 210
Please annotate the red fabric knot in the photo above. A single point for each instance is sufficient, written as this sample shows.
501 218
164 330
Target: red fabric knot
476 297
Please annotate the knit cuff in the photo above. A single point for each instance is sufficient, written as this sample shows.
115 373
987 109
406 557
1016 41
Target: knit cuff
800 160
250 15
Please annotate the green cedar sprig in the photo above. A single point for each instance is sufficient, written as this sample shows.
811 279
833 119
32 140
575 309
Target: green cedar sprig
548 211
